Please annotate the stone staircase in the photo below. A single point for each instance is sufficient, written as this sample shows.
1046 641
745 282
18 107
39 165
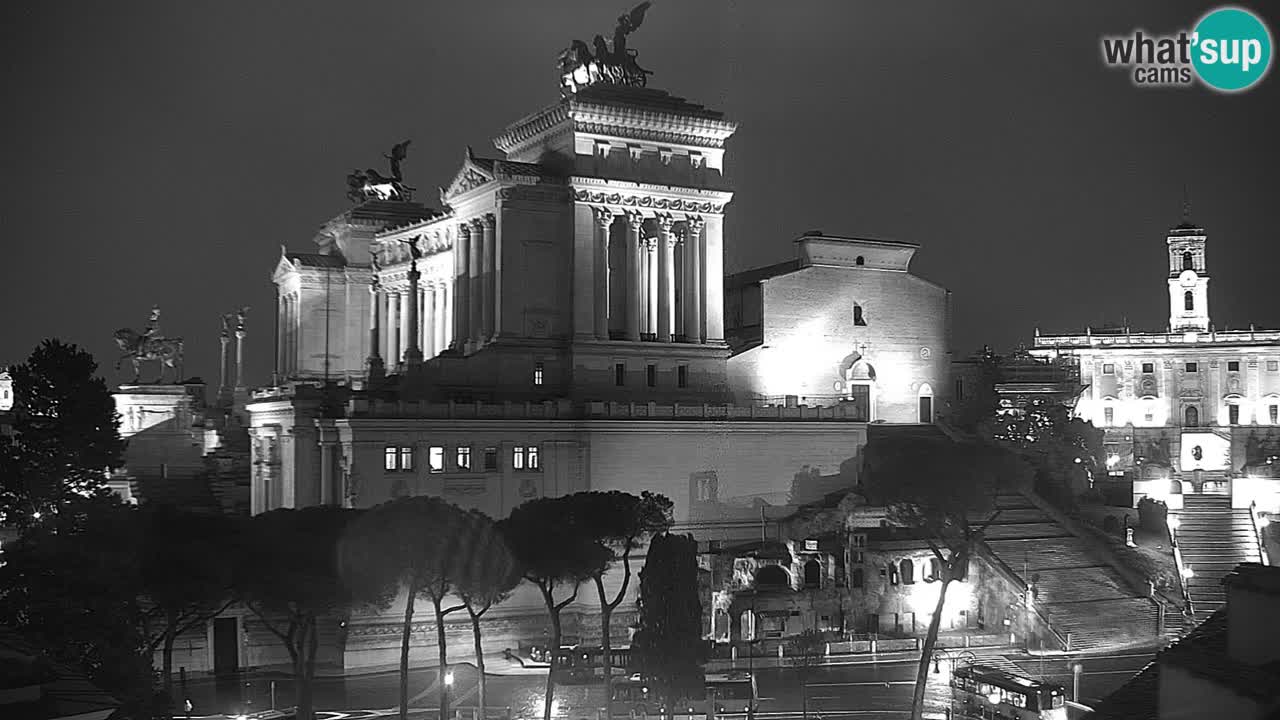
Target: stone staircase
1078 592
1213 538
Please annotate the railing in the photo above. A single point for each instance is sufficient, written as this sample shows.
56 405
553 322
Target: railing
566 410
1021 585
1257 532
1177 560
1141 338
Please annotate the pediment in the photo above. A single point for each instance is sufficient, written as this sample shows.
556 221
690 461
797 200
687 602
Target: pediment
284 267
469 177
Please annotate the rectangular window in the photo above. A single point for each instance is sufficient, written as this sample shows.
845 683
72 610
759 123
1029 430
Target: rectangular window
651 375
1108 416
1108 369
463 458
1273 412
1148 368
856 557
390 458
1193 367
682 376
406 458
1233 366
491 458
1233 414
859 541
1273 365
619 374
525 458
537 373
1149 416
435 458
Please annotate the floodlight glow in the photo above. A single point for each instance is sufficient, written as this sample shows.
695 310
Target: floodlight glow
448 678
1188 573
1112 460
1173 522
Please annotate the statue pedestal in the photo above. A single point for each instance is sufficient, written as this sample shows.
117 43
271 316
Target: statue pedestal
164 427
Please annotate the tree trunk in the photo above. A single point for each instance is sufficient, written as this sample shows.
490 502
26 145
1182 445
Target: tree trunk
926 652
475 635
166 662
606 662
444 660
405 636
300 675
555 653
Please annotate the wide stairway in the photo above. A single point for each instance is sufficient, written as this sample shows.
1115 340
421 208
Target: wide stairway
1213 538
1077 591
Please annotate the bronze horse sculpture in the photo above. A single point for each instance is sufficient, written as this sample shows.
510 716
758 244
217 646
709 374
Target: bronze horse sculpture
137 347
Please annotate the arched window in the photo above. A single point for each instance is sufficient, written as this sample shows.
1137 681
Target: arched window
1175 487
772 576
907 570
1188 261
813 574
935 570
857 316
1188 301
859 261
1191 416
858 578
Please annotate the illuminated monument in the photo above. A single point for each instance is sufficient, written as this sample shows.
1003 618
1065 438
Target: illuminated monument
559 325
1189 410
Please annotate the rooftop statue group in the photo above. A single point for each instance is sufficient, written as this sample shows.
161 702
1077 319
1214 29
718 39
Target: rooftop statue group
372 185
581 67
151 345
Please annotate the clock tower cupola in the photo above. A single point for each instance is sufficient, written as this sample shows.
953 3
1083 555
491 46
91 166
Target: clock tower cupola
1188 276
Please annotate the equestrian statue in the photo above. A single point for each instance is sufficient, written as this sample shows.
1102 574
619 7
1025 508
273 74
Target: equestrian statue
581 67
150 345
372 185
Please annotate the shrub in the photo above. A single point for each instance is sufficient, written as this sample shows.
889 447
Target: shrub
1152 515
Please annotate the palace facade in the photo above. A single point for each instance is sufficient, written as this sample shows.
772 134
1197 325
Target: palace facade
560 325
1191 409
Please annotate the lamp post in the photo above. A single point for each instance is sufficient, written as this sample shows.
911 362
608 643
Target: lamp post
1076 670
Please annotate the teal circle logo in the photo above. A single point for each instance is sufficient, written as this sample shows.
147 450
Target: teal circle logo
1231 49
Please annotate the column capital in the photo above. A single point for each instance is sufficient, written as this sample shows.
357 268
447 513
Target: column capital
665 223
604 217
489 220
635 220
464 228
477 224
694 223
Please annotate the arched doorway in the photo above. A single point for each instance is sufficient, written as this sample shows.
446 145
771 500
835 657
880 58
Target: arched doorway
813 574
772 577
1191 417
925 396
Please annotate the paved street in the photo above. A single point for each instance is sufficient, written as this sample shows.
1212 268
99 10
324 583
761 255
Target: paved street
854 687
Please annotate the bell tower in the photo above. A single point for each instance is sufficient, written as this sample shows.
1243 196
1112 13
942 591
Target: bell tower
1188 276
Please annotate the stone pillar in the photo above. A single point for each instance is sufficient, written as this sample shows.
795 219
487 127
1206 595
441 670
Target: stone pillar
240 358
604 220
393 335
427 312
447 294
223 339
666 277
375 366
412 352
328 481
475 299
461 286
635 275
713 278
280 335
489 271
693 280
651 286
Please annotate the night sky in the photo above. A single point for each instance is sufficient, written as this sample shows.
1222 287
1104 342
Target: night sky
161 152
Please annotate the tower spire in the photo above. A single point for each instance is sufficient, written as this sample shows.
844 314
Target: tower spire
1186 205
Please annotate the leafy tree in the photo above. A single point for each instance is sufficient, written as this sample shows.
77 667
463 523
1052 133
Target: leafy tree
186 575
555 551
288 577
1065 451
66 434
979 407
619 522
409 543
70 584
439 570
668 646
486 579
936 486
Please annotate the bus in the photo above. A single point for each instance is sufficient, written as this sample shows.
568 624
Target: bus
584 663
982 692
733 694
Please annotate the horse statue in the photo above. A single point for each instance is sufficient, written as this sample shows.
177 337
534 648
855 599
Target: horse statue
135 347
371 184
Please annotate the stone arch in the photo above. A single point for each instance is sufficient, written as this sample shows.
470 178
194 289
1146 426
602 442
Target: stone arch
907 571
813 573
924 398
1188 261
773 576
859 260
1188 301
1191 416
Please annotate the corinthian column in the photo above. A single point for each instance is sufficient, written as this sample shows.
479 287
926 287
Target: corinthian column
376 368
393 322
693 279
490 273
240 333
461 286
604 220
475 303
412 353
666 277
635 275
651 286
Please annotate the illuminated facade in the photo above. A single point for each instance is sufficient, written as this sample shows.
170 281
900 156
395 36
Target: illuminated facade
1194 404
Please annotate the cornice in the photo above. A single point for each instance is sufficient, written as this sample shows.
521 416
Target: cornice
531 126
641 196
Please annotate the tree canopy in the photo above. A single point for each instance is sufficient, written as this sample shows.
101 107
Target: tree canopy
66 434
668 646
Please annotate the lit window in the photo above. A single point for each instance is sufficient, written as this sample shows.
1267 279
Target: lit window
397 457
1233 414
435 458
1108 416
464 458
1148 367
651 375
1149 416
406 458
525 458
537 373
1193 367
1273 412
619 374
1108 369
491 458
1273 365
1233 366
682 376
389 458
